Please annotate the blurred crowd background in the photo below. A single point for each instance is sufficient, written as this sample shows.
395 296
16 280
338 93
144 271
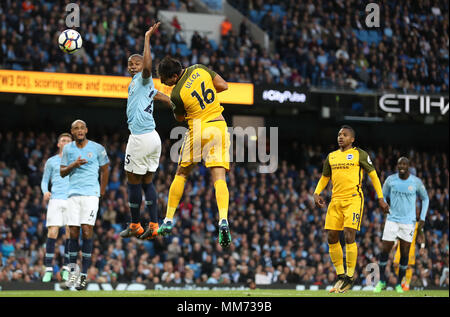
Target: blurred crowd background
277 231
322 43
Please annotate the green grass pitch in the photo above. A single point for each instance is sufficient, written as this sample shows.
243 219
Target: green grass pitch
219 293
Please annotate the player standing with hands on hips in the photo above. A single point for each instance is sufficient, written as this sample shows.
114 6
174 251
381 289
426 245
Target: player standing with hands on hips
81 161
401 189
345 167
144 144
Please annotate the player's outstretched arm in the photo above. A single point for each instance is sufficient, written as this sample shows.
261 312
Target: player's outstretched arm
147 71
166 100
160 97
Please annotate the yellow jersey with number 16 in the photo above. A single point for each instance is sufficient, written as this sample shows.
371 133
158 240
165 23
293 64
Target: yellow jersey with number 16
194 95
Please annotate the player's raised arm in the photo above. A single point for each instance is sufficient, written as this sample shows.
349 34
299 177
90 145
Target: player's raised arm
147 71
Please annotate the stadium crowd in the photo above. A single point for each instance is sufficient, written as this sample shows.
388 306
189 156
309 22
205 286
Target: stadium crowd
277 231
316 43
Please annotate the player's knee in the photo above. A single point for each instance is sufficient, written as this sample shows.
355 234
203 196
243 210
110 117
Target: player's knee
74 232
349 235
134 178
184 171
53 232
333 237
147 179
87 232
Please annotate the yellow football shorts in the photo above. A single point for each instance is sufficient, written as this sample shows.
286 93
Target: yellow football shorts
207 141
412 250
344 213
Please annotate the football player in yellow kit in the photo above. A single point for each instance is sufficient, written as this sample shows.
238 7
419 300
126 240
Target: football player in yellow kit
345 168
194 99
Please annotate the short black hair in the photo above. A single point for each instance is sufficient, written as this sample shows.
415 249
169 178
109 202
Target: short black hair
345 126
168 67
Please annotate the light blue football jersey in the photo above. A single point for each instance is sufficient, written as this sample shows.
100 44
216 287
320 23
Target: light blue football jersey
403 195
140 105
84 180
60 186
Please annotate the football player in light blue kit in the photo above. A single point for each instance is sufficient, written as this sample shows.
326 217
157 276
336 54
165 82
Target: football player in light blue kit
81 162
402 189
56 209
144 144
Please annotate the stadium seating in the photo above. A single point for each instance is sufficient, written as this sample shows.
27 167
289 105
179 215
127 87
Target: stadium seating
303 24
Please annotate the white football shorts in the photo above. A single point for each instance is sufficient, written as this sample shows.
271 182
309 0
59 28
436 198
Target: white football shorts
394 230
56 213
82 210
143 153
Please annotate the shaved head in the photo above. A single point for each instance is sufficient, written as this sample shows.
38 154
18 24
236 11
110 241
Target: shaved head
78 121
139 56
403 159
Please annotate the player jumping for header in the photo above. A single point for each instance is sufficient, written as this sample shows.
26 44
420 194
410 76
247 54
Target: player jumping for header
194 98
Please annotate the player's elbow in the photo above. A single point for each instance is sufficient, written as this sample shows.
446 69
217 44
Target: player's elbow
222 87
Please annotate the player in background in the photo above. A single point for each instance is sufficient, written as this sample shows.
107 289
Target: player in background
194 99
345 168
82 160
56 209
401 189
144 144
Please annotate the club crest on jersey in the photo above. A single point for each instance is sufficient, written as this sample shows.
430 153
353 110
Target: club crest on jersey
410 188
89 155
349 157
